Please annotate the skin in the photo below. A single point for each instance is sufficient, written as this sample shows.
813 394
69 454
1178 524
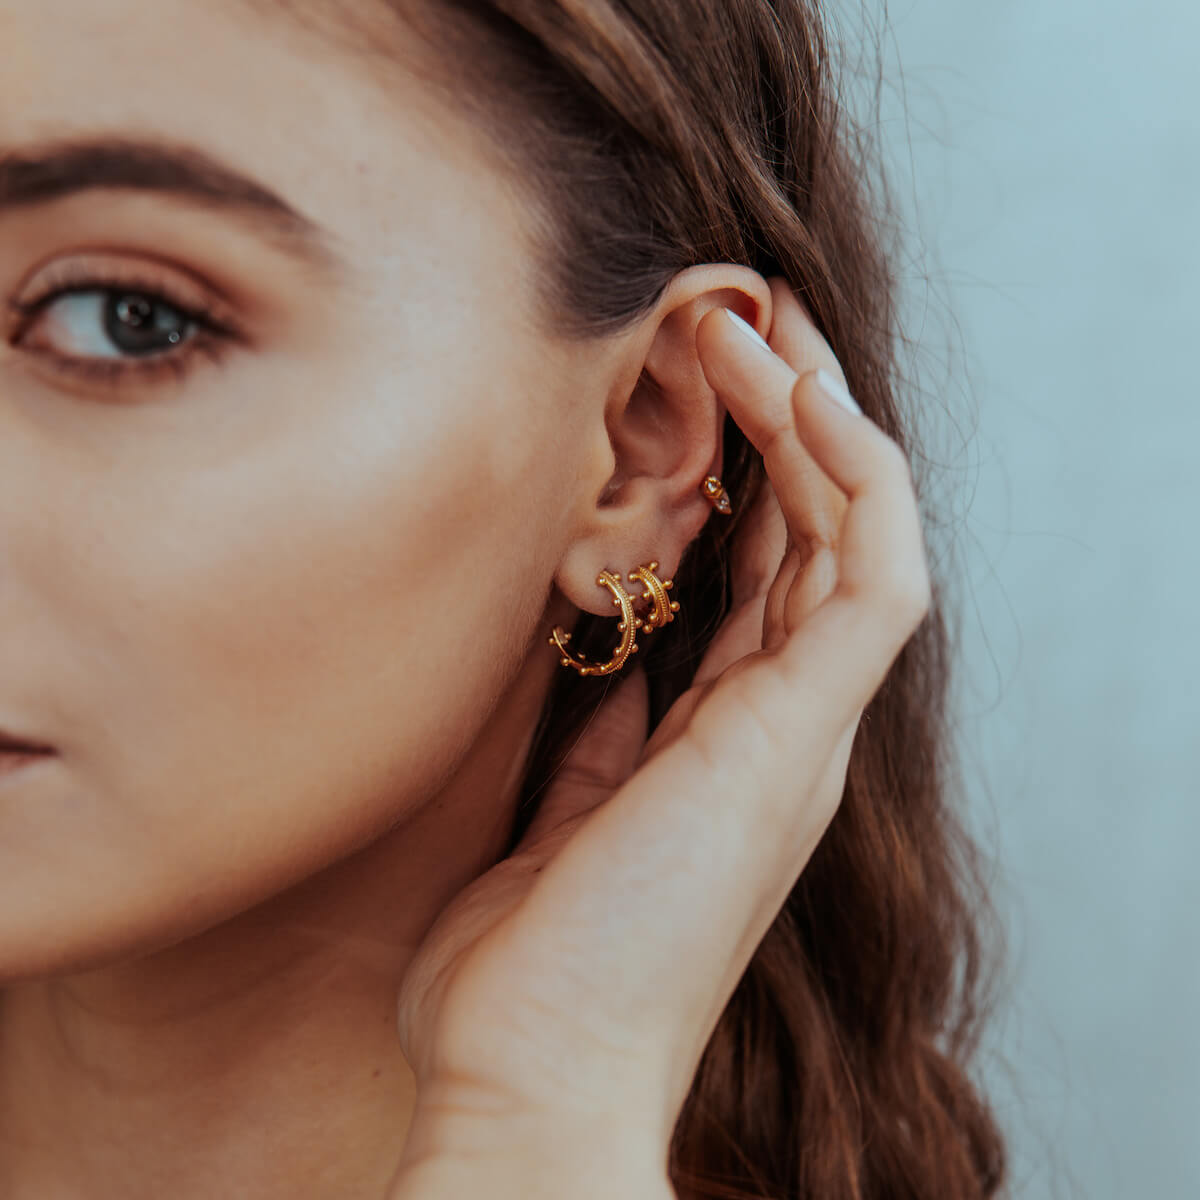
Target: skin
283 618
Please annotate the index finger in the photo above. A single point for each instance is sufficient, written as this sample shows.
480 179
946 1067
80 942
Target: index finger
812 503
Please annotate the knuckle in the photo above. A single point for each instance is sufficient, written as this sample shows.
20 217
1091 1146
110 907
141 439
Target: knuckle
588 776
905 594
912 595
897 463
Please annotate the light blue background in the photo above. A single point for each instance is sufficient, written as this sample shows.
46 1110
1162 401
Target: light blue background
1046 155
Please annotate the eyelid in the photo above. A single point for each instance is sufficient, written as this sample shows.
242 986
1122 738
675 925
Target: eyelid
99 271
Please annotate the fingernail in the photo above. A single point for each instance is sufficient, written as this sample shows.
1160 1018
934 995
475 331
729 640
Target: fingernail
748 329
834 390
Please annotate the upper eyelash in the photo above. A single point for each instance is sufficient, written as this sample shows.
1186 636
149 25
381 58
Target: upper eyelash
211 336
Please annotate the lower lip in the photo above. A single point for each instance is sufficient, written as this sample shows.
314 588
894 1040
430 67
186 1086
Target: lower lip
12 761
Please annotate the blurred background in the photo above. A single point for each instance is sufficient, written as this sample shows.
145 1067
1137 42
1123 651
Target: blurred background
1045 159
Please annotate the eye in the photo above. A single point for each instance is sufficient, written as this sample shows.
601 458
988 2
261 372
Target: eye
113 330
115 323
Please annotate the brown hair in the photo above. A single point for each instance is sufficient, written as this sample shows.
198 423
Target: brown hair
649 136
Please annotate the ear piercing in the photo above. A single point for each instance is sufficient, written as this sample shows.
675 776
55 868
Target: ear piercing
655 592
629 624
714 491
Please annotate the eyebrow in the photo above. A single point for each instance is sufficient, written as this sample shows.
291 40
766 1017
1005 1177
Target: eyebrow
64 168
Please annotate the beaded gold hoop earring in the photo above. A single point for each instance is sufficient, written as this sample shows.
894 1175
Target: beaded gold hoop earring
656 591
664 612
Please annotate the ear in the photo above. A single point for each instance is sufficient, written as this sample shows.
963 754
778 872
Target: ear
662 437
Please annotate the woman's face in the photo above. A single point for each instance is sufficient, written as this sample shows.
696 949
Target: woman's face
282 491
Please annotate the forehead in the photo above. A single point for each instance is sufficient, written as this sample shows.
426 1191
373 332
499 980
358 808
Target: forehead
319 101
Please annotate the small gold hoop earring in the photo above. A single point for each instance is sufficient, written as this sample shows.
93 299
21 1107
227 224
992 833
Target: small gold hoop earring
656 590
664 612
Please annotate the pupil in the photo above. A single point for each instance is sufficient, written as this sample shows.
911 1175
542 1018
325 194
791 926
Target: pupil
135 324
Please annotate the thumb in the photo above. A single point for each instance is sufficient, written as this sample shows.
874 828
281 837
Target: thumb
602 759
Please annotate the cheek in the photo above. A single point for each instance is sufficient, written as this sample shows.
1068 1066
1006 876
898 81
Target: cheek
276 659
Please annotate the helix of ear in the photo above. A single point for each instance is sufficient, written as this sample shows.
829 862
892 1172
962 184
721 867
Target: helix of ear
664 612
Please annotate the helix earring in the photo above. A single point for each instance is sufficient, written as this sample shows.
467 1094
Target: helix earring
714 491
664 613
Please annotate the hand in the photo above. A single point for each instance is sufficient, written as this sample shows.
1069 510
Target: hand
559 1007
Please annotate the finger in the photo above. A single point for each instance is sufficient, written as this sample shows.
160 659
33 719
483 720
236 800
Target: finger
783 414
758 551
837 655
881 559
758 547
779 599
756 389
602 759
883 587
794 335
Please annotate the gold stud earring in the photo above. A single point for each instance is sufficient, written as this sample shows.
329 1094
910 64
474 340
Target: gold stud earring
664 612
715 493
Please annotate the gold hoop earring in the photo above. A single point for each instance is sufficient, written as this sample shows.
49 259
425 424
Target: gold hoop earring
656 591
664 612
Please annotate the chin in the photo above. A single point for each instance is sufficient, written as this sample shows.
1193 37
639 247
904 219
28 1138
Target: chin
64 935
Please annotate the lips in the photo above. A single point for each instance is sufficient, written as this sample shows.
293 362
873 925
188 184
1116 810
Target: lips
12 744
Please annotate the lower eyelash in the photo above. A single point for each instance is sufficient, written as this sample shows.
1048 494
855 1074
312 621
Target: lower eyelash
148 367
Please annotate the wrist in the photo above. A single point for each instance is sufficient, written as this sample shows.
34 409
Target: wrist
509 1159
535 1177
